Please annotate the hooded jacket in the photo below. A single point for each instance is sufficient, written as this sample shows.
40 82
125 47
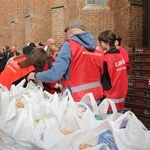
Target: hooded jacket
85 72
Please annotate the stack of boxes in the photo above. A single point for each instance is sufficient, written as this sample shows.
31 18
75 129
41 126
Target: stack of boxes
138 98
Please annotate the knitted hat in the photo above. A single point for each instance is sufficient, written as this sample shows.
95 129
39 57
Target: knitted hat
27 50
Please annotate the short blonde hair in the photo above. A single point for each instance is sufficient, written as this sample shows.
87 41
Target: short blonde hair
52 49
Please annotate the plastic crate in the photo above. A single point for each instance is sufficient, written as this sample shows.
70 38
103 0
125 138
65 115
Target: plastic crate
145 121
138 109
140 65
140 50
140 72
144 57
137 100
139 82
140 92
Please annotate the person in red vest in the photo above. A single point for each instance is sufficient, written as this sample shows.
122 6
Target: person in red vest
79 62
114 78
52 87
19 67
122 50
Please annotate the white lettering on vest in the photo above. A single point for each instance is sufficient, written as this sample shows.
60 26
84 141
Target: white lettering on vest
11 69
15 64
119 63
90 53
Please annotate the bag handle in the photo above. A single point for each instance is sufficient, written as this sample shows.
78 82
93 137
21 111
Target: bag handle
89 100
127 116
104 105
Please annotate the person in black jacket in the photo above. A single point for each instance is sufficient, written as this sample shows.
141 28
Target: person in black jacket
11 52
14 51
2 60
7 53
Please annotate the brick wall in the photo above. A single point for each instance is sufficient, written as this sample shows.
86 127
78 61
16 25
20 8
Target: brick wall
49 18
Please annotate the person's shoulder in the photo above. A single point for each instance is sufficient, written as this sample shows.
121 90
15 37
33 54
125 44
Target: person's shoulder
65 44
19 58
121 47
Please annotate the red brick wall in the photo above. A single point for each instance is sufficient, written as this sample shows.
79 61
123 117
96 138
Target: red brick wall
49 20
129 23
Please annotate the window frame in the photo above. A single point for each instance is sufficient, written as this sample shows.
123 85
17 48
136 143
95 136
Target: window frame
96 3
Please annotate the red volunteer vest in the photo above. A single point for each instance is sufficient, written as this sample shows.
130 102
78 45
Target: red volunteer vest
118 77
13 72
85 72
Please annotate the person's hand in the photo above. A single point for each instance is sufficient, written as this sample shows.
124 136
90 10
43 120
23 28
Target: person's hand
31 76
60 87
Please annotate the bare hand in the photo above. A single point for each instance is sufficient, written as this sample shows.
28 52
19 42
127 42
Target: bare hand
31 76
60 87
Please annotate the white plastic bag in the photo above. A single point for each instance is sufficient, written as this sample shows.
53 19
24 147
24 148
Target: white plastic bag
8 120
47 136
9 117
70 122
103 108
5 141
4 97
134 136
89 138
87 117
24 125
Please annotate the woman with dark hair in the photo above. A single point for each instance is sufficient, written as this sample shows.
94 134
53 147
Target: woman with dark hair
114 78
19 68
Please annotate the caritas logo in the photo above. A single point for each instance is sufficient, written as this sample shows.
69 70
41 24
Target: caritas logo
119 63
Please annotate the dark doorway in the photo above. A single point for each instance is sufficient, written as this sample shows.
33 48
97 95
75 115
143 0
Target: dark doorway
146 23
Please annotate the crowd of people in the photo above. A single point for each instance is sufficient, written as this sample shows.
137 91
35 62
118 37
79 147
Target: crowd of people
81 65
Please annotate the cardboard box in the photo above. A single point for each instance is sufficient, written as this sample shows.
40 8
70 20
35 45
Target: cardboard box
107 137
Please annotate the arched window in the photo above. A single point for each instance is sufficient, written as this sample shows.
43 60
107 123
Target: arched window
97 2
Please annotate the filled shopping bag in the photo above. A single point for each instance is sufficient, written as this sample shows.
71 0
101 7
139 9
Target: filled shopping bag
70 122
87 117
47 135
130 133
51 106
24 125
8 121
67 95
65 102
102 110
88 139
15 89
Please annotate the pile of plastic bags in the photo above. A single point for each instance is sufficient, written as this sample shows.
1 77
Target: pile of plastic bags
31 119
